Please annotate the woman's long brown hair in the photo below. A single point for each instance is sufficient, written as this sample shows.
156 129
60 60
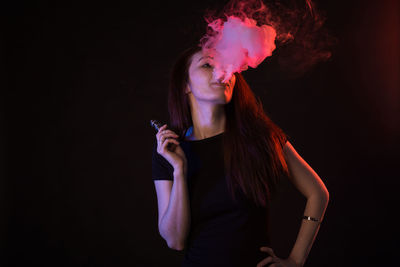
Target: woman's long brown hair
253 143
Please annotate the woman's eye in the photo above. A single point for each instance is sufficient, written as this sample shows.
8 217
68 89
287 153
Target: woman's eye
207 65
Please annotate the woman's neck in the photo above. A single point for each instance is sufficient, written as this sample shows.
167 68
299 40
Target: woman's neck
207 122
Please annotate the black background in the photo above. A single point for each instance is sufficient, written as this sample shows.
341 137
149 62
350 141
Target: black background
84 81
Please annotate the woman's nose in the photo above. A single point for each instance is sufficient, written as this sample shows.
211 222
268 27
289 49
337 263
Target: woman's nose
220 76
224 78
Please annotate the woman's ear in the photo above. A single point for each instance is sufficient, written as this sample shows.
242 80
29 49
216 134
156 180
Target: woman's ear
188 90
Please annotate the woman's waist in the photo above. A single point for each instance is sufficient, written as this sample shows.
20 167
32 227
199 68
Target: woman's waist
225 252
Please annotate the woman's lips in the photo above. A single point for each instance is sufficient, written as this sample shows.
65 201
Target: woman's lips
220 84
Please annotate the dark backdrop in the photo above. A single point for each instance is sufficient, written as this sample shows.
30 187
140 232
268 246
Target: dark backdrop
84 81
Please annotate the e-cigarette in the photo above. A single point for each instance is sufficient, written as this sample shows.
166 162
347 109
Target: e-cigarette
157 125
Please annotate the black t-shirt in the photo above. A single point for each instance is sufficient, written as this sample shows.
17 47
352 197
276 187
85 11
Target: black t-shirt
222 232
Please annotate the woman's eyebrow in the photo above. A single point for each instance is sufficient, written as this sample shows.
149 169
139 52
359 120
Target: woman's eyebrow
205 57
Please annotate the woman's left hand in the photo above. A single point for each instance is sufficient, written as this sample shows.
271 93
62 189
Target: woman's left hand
276 262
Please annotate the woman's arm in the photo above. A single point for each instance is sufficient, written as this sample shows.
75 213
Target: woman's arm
307 181
175 223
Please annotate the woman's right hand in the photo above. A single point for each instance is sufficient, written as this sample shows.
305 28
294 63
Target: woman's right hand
176 156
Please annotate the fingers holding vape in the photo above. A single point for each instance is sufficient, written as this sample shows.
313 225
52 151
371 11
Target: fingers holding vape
169 147
165 139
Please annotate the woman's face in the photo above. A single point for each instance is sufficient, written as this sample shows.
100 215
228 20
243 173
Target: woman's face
202 84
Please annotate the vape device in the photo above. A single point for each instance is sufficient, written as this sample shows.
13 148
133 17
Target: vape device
157 125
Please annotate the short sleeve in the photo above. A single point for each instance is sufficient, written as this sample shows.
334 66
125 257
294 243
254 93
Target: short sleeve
161 168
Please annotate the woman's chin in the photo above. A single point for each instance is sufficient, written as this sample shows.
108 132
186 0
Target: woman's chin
225 99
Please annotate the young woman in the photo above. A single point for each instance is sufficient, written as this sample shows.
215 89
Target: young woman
218 165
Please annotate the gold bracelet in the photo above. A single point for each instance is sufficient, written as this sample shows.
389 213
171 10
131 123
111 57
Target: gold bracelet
310 219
